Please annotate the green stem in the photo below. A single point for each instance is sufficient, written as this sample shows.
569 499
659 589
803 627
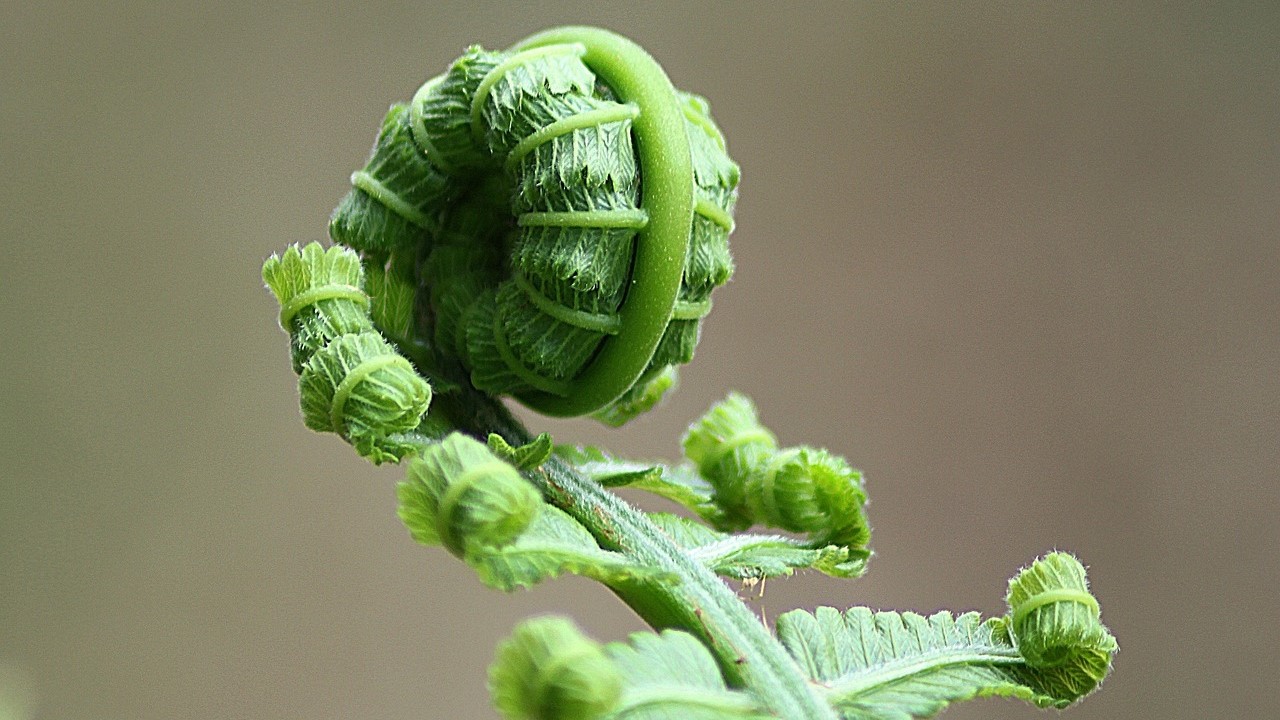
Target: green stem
886 674
697 601
667 197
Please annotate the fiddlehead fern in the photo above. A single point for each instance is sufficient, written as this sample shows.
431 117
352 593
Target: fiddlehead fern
573 209
549 222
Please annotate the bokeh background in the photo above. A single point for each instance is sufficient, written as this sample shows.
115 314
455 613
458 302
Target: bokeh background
1018 261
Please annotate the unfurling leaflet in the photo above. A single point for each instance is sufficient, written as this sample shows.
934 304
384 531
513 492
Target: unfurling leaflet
351 381
727 445
549 670
801 489
891 666
1056 625
460 494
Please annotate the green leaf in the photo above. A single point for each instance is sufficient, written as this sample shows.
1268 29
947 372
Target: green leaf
603 467
526 457
553 545
680 484
891 666
746 556
392 286
739 556
896 666
672 676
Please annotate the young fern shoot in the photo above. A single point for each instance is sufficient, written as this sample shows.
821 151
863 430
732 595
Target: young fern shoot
548 223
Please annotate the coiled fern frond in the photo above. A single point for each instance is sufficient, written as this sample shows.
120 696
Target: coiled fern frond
549 223
572 211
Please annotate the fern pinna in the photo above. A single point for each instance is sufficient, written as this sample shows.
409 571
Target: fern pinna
549 222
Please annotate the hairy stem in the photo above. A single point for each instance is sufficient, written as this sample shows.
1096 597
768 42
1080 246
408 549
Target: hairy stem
697 601
662 149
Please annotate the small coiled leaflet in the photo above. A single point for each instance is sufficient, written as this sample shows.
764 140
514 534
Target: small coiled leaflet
350 380
801 489
468 496
549 670
1055 619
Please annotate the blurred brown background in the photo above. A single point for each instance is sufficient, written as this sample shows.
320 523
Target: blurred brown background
1017 261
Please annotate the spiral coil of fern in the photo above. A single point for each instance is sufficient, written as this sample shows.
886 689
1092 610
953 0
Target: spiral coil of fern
727 444
801 489
573 210
549 670
1052 612
351 381
1055 623
469 496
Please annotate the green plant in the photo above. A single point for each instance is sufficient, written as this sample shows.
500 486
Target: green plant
549 222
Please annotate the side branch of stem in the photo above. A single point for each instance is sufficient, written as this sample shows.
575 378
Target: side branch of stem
698 602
